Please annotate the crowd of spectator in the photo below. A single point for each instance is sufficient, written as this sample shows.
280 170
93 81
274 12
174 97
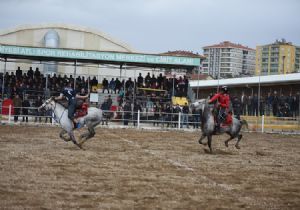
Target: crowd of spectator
28 88
271 104
149 93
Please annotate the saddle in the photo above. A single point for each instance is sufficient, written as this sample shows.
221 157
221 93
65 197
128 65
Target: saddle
226 121
82 110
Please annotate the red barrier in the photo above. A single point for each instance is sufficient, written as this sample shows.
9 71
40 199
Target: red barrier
5 107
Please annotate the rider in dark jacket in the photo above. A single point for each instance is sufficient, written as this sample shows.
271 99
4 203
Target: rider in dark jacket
70 94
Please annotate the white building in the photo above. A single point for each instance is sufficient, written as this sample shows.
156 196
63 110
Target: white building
228 60
68 37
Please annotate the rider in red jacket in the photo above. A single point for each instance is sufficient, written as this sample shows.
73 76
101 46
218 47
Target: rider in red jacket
222 106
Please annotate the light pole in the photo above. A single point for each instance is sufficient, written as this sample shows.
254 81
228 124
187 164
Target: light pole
3 79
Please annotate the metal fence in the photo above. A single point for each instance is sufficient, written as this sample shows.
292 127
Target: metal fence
153 120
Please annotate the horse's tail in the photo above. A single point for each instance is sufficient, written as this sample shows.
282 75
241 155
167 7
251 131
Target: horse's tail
244 122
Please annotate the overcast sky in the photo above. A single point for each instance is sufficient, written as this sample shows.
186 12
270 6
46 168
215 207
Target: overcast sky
156 26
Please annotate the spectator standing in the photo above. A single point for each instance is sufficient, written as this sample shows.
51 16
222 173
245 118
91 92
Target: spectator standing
176 111
244 102
129 85
94 82
105 108
196 117
109 102
112 85
140 80
38 102
290 100
168 114
255 105
297 104
136 107
105 85
37 73
160 80
186 85
118 85
30 73
153 81
269 102
236 105
148 80
25 107
156 110
250 106
17 102
275 104
262 106
48 115
185 115
19 73
126 112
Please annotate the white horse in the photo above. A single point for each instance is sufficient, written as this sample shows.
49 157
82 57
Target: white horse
91 120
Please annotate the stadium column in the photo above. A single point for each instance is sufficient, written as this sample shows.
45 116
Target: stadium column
3 79
198 81
75 65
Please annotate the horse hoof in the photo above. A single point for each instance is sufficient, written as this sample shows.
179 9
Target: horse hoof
226 144
200 142
237 146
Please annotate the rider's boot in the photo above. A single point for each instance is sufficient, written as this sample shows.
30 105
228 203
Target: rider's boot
76 124
217 128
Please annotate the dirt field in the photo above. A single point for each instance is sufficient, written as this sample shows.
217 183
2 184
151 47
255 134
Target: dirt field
136 169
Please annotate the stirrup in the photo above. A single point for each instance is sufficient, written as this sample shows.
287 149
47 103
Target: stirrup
78 125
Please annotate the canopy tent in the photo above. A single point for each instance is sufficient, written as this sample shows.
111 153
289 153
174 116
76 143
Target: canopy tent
108 57
97 57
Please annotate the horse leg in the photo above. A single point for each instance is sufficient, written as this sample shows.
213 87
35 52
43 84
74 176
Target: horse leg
240 136
84 135
201 138
91 132
61 135
74 140
209 138
226 142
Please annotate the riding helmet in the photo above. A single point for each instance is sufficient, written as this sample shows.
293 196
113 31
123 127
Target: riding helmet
225 89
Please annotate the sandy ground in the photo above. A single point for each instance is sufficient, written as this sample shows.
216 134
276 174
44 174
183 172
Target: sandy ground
137 169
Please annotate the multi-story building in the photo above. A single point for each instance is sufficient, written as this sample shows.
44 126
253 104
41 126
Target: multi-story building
227 60
297 60
280 57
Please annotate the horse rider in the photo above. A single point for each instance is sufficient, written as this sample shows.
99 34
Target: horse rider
222 106
70 94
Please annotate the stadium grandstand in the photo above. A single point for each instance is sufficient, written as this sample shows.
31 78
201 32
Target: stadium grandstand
38 61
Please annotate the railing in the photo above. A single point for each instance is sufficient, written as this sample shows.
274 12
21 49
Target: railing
155 120
33 115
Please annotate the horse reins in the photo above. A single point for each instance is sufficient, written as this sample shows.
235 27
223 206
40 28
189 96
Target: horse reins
55 117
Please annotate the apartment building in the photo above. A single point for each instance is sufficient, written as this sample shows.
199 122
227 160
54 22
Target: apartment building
227 60
280 57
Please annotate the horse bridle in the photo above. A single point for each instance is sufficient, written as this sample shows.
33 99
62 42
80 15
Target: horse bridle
53 111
